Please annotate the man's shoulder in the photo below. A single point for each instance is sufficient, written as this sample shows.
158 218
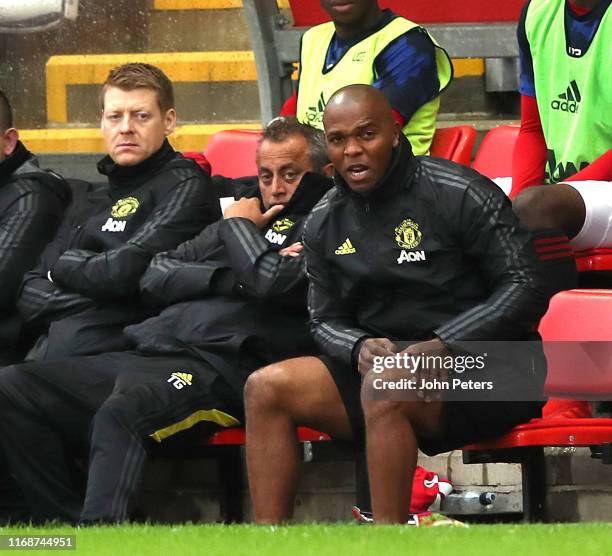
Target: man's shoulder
331 201
183 166
446 173
29 178
453 181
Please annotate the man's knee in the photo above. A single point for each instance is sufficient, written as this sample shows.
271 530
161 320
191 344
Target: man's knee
116 411
549 207
535 208
266 387
381 410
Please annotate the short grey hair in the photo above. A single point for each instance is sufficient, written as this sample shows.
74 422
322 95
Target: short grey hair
282 127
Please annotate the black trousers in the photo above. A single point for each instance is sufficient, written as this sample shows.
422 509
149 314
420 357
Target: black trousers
113 402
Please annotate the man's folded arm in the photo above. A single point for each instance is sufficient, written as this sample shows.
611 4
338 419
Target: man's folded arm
191 271
116 273
260 270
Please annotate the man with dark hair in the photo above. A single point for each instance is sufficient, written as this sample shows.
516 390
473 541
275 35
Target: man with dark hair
364 44
85 287
234 299
406 249
31 205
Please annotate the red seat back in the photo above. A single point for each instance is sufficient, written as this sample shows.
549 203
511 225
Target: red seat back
309 12
231 152
577 333
494 156
454 143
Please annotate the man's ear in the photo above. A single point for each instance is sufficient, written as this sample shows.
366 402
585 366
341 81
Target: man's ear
11 136
397 130
328 170
169 121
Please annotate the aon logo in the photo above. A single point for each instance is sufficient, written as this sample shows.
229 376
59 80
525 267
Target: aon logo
114 225
274 237
411 256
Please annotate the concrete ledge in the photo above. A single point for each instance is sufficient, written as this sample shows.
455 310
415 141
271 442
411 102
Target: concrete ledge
89 140
205 4
179 66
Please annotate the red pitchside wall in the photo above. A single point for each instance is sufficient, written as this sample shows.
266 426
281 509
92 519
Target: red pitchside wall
309 12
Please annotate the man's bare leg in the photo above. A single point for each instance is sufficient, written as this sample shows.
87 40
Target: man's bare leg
392 451
279 398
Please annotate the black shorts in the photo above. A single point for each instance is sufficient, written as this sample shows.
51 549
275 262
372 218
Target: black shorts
463 422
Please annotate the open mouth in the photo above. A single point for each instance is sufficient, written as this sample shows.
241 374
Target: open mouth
357 172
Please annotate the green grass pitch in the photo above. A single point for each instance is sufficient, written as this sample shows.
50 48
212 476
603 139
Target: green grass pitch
331 540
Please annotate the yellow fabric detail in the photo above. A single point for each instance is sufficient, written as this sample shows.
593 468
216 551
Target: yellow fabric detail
186 377
357 66
212 415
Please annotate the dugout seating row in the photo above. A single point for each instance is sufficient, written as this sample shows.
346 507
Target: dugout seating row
232 154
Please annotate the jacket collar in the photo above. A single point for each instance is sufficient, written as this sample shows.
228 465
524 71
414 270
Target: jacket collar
122 176
14 161
400 172
308 193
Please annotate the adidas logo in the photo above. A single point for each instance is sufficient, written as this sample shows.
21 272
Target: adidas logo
314 114
570 99
346 248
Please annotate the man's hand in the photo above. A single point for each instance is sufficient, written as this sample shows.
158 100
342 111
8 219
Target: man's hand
430 351
250 208
373 347
293 250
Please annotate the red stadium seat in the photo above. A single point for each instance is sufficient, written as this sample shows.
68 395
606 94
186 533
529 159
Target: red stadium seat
454 143
494 156
306 14
231 152
594 260
237 436
577 330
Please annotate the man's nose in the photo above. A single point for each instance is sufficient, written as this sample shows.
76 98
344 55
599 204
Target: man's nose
278 185
352 147
126 124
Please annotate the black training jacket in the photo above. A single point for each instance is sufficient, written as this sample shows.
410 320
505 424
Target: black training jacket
86 285
436 250
233 300
32 202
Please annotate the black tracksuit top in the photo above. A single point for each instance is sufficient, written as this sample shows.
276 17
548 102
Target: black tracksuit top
32 202
109 235
436 250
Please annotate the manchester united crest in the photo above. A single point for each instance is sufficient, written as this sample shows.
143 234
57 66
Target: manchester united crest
282 225
408 235
125 207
